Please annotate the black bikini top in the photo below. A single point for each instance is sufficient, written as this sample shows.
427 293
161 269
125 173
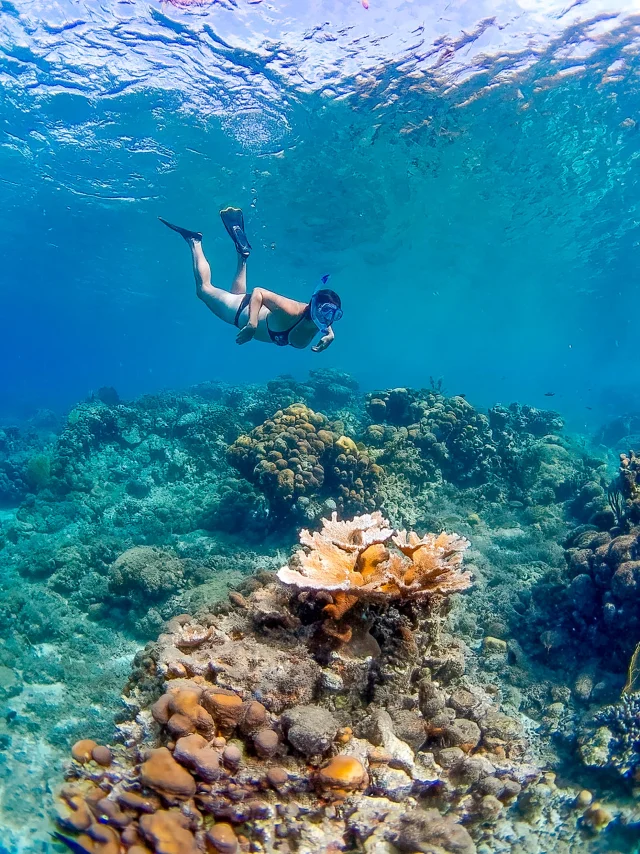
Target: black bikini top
281 339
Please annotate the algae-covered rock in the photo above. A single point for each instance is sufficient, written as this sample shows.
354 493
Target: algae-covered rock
145 571
595 747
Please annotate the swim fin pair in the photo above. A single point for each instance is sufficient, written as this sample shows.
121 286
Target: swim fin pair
233 221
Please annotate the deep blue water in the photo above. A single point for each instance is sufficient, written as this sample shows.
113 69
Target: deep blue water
466 171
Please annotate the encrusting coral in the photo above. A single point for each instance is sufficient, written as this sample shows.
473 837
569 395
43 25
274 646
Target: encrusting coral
241 735
352 562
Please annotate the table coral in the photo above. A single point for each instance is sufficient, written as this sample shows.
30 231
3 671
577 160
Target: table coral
298 455
352 562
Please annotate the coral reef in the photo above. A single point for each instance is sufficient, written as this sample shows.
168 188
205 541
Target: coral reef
133 515
24 461
448 431
298 457
629 479
424 439
603 591
241 735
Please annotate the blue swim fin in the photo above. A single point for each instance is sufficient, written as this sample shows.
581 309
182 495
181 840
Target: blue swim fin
184 232
233 220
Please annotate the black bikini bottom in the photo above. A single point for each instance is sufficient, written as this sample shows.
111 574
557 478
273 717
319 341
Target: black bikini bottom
244 302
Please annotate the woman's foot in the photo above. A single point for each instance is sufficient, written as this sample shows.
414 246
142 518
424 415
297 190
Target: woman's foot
234 223
188 235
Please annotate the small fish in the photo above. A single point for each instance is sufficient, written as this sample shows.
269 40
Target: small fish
589 407
549 394
71 843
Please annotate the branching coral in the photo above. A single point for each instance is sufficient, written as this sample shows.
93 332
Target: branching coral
352 561
619 733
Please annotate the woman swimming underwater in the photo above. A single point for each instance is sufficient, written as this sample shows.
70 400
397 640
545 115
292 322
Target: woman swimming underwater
261 314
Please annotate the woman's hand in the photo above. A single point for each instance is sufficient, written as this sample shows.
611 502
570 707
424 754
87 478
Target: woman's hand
246 334
324 342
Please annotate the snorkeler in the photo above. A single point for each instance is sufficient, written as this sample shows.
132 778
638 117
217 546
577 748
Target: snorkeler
261 314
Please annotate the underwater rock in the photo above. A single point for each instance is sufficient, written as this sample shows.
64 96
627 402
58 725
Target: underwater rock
145 572
217 726
309 729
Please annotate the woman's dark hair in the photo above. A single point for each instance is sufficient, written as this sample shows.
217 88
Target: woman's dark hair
327 295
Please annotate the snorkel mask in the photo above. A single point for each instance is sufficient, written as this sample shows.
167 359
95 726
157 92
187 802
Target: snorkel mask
323 311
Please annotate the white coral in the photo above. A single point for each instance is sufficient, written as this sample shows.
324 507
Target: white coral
353 558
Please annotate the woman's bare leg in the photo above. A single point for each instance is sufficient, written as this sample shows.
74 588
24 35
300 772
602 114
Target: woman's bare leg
239 283
216 299
201 268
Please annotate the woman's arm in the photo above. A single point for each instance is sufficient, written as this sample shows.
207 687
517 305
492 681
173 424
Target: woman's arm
274 302
249 329
324 342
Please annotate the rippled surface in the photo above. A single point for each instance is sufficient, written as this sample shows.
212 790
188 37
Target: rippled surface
476 158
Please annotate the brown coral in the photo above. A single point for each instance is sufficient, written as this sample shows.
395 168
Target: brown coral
168 832
163 774
298 455
352 561
181 711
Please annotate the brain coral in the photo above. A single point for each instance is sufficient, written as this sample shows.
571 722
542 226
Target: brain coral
299 455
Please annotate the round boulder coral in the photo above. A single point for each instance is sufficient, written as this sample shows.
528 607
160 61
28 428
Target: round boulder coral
145 571
298 455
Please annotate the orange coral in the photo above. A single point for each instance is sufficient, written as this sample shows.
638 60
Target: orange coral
343 774
182 713
81 750
352 561
161 772
168 832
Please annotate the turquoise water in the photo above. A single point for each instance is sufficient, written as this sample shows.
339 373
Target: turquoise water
467 173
